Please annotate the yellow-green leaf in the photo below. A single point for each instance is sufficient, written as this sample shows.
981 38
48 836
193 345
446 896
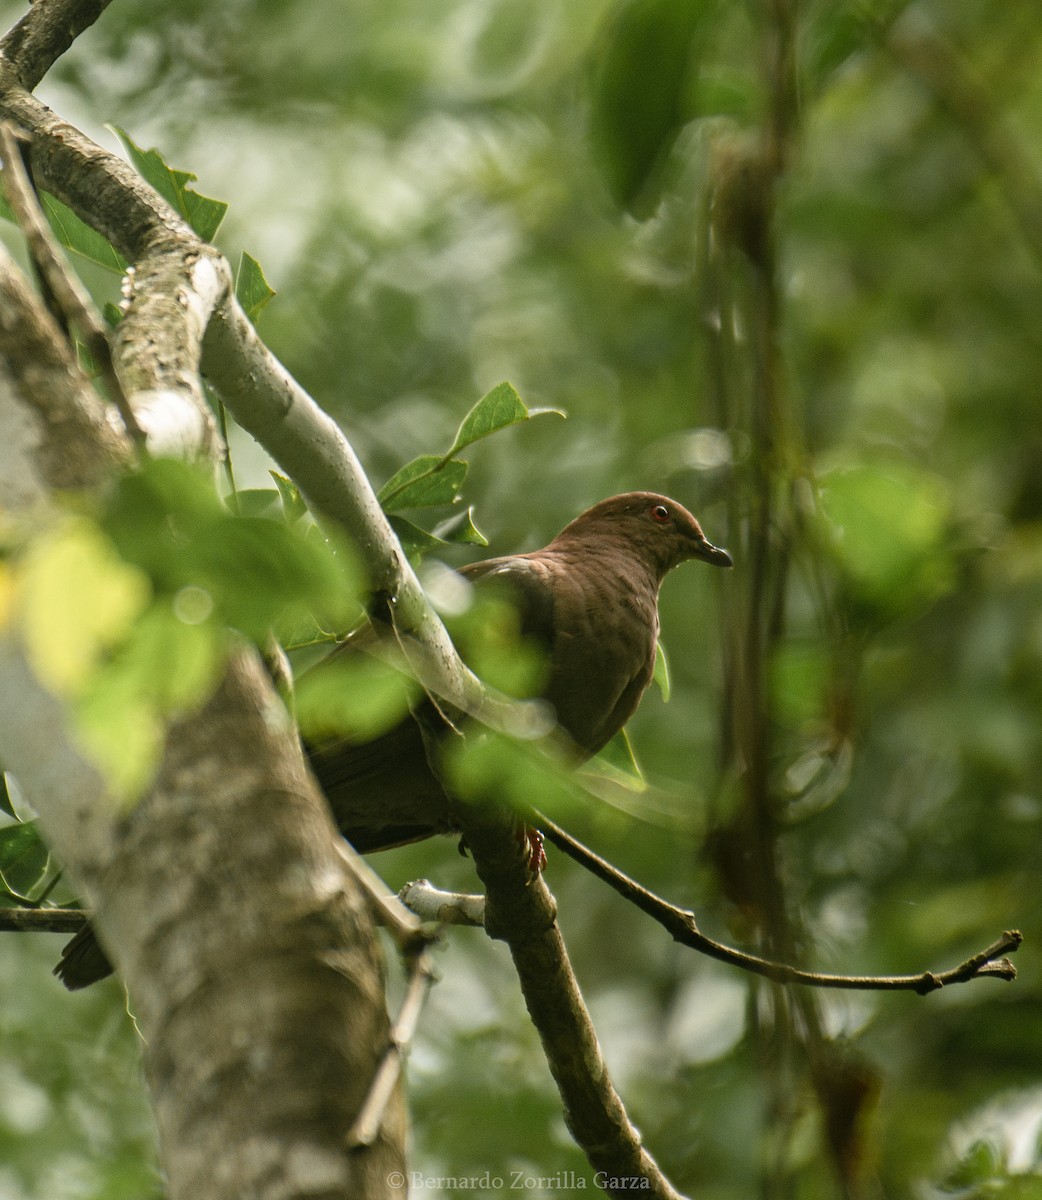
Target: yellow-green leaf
76 598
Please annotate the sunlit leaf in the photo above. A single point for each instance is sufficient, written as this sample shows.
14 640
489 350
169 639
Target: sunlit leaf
76 598
292 501
460 528
425 482
252 290
201 212
171 662
661 675
498 409
121 732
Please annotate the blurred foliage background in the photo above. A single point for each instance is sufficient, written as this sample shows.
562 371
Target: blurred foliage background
785 264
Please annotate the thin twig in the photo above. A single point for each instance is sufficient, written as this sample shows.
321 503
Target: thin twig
447 908
72 298
408 931
42 920
367 1124
681 925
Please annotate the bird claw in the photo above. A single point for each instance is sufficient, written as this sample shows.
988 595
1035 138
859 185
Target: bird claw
531 842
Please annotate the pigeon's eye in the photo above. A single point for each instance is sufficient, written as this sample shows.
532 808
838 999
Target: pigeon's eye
660 514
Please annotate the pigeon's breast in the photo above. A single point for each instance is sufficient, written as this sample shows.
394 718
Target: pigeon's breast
603 654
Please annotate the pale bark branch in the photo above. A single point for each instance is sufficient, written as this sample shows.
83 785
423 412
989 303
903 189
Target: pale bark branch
53 432
313 451
366 1128
447 908
43 35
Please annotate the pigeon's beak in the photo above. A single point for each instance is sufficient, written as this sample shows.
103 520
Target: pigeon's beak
709 553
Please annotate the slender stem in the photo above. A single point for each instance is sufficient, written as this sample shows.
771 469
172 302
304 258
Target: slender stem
682 926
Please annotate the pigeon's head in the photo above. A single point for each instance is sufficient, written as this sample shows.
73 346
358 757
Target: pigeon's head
658 530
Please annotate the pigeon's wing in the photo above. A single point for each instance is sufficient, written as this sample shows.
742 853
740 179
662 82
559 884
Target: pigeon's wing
383 792
526 580
597 620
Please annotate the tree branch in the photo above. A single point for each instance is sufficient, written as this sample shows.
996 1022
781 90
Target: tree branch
521 911
42 920
53 432
682 927
72 298
366 1127
43 35
448 908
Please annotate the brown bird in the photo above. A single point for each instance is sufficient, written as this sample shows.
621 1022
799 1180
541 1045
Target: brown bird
590 601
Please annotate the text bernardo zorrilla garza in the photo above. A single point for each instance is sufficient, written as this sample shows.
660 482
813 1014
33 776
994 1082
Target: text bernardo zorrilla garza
519 1181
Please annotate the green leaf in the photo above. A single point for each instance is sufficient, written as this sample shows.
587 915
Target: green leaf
78 236
73 234
661 675
256 502
640 94
23 858
416 542
6 803
981 1163
425 482
168 520
112 313
799 676
357 697
617 761
490 640
491 767
838 32
252 290
497 409
292 501
201 212
460 529
432 480
887 527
